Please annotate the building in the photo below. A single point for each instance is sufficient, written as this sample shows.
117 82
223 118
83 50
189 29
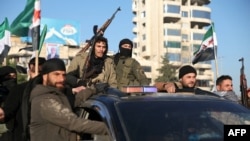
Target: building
173 29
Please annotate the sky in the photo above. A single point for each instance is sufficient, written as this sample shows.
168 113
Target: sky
231 20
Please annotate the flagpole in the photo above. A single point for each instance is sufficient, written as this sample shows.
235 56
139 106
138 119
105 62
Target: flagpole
216 63
215 52
36 32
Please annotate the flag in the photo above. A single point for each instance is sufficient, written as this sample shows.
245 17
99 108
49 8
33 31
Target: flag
42 38
35 32
35 27
208 47
20 26
5 42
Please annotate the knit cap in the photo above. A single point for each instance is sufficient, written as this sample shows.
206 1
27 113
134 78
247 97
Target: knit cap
185 70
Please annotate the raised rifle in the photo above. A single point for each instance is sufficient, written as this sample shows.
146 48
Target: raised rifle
243 85
90 43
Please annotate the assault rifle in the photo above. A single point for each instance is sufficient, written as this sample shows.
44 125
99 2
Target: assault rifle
90 43
243 85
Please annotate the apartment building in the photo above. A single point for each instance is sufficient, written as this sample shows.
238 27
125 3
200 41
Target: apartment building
172 29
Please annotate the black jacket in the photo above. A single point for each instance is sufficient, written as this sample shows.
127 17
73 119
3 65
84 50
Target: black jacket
12 110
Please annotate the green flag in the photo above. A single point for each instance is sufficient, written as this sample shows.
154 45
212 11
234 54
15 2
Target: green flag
20 26
208 47
4 39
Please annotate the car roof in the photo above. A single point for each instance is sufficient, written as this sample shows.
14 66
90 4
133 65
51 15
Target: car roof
114 106
108 98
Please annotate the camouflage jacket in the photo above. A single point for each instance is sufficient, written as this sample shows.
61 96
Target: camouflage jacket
130 72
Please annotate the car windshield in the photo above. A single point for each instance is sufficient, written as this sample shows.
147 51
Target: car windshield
179 120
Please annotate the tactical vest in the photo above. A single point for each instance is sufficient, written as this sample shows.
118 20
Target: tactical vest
123 73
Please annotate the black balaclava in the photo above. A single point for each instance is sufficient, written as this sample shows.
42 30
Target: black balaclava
124 51
5 80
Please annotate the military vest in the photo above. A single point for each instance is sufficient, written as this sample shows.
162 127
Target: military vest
124 72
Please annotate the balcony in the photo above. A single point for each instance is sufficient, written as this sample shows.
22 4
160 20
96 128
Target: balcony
200 2
171 18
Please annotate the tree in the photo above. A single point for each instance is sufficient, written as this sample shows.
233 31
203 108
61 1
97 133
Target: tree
167 72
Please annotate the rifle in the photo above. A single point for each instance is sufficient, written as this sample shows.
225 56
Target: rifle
91 42
243 85
99 32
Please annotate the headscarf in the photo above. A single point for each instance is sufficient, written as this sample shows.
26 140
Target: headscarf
54 64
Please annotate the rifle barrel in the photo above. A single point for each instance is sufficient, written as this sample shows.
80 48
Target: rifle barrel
243 85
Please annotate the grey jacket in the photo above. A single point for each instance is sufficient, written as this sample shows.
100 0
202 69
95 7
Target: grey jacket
52 118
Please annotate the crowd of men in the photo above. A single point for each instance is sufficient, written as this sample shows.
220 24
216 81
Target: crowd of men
38 109
45 103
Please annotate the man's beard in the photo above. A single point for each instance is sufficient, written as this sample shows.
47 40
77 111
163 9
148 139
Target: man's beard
188 85
58 85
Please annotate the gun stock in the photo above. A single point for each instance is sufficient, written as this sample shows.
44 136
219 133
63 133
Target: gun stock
243 85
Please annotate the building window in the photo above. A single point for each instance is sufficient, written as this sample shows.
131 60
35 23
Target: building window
143 49
135 45
143 2
197 36
201 71
184 14
184 37
171 44
143 14
202 83
201 14
144 37
173 57
172 32
171 9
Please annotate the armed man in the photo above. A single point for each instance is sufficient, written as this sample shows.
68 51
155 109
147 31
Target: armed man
94 69
128 70
94 66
